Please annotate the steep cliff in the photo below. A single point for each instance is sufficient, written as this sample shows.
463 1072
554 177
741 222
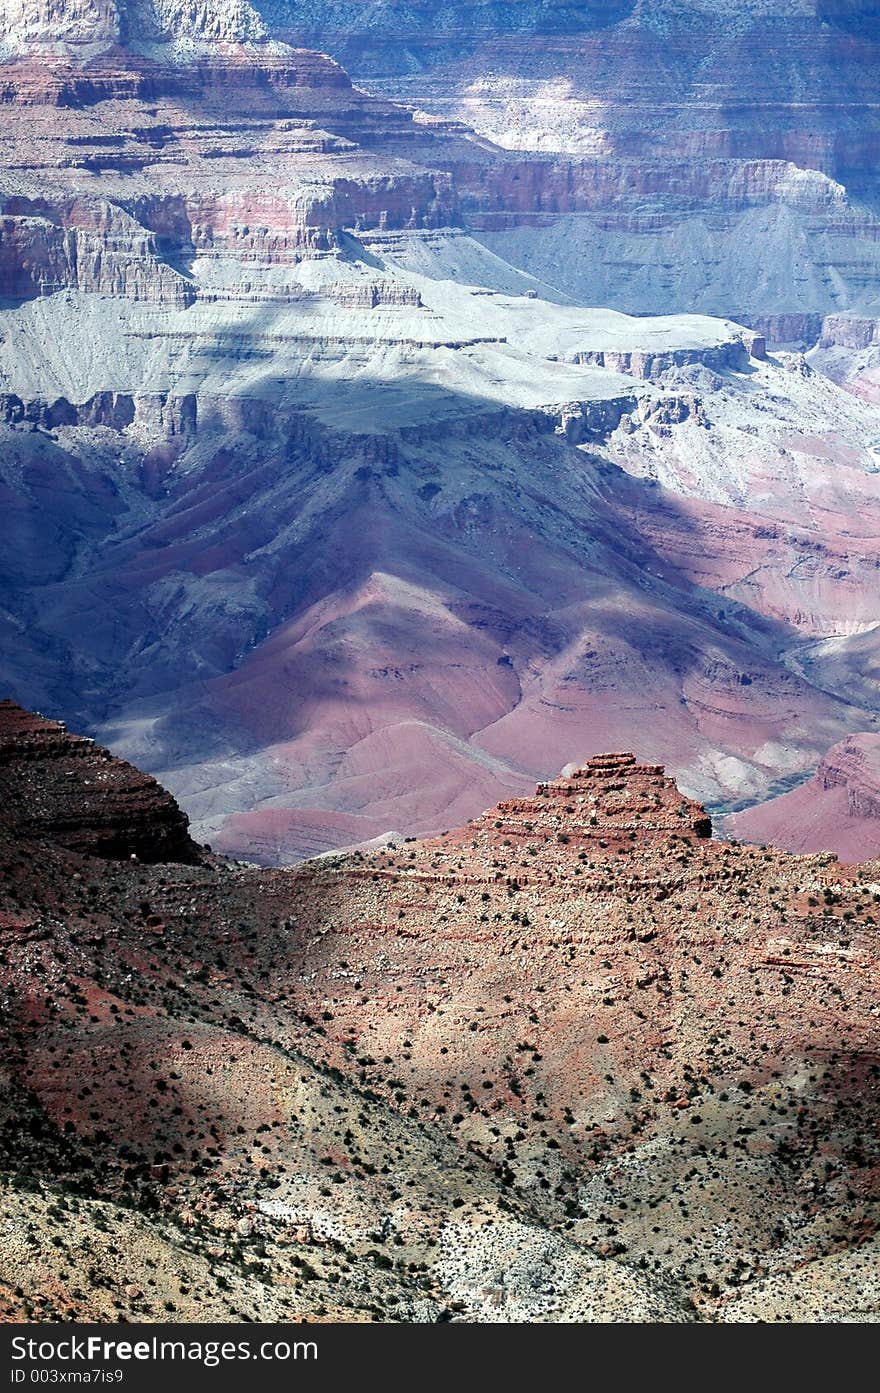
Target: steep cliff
690 155
575 1061
84 28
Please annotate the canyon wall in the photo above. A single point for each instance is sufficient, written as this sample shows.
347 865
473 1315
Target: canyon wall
838 809
346 524
714 156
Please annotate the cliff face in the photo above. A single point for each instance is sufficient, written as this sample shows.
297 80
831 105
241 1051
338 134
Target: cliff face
855 766
122 166
67 790
607 802
642 79
83 245
642 160
716 156
86 27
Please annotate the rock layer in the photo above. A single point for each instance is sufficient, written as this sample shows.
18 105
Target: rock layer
668 166
602 803
247 328
838 809
67 790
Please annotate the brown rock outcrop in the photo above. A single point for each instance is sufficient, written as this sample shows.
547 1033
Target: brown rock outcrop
610 800
83 245
67 790
849 331
689 166
652 367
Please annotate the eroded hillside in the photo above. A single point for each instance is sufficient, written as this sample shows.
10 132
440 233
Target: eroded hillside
576 1060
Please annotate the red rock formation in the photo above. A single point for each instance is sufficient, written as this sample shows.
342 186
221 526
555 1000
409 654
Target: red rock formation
67 790
109 212
84 245
679 134
534 1068
837 810
610 800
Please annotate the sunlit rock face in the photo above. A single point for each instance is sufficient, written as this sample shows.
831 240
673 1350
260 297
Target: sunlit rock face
837 810
693 155
66 790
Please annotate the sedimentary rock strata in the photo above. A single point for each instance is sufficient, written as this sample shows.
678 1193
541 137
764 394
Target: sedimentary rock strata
688 155
838 809
67 790
346 525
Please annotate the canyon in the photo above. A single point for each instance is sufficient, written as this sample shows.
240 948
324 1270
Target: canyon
439 447
576 1060
677 154
838 809
115 812
339 516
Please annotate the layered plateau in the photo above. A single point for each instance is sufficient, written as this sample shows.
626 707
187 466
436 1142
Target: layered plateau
674 154
837 809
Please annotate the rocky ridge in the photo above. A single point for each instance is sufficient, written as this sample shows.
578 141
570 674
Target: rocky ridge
67 790
575 1061
602 802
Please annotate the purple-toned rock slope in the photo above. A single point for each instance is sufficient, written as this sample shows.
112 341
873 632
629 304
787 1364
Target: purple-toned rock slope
329 505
